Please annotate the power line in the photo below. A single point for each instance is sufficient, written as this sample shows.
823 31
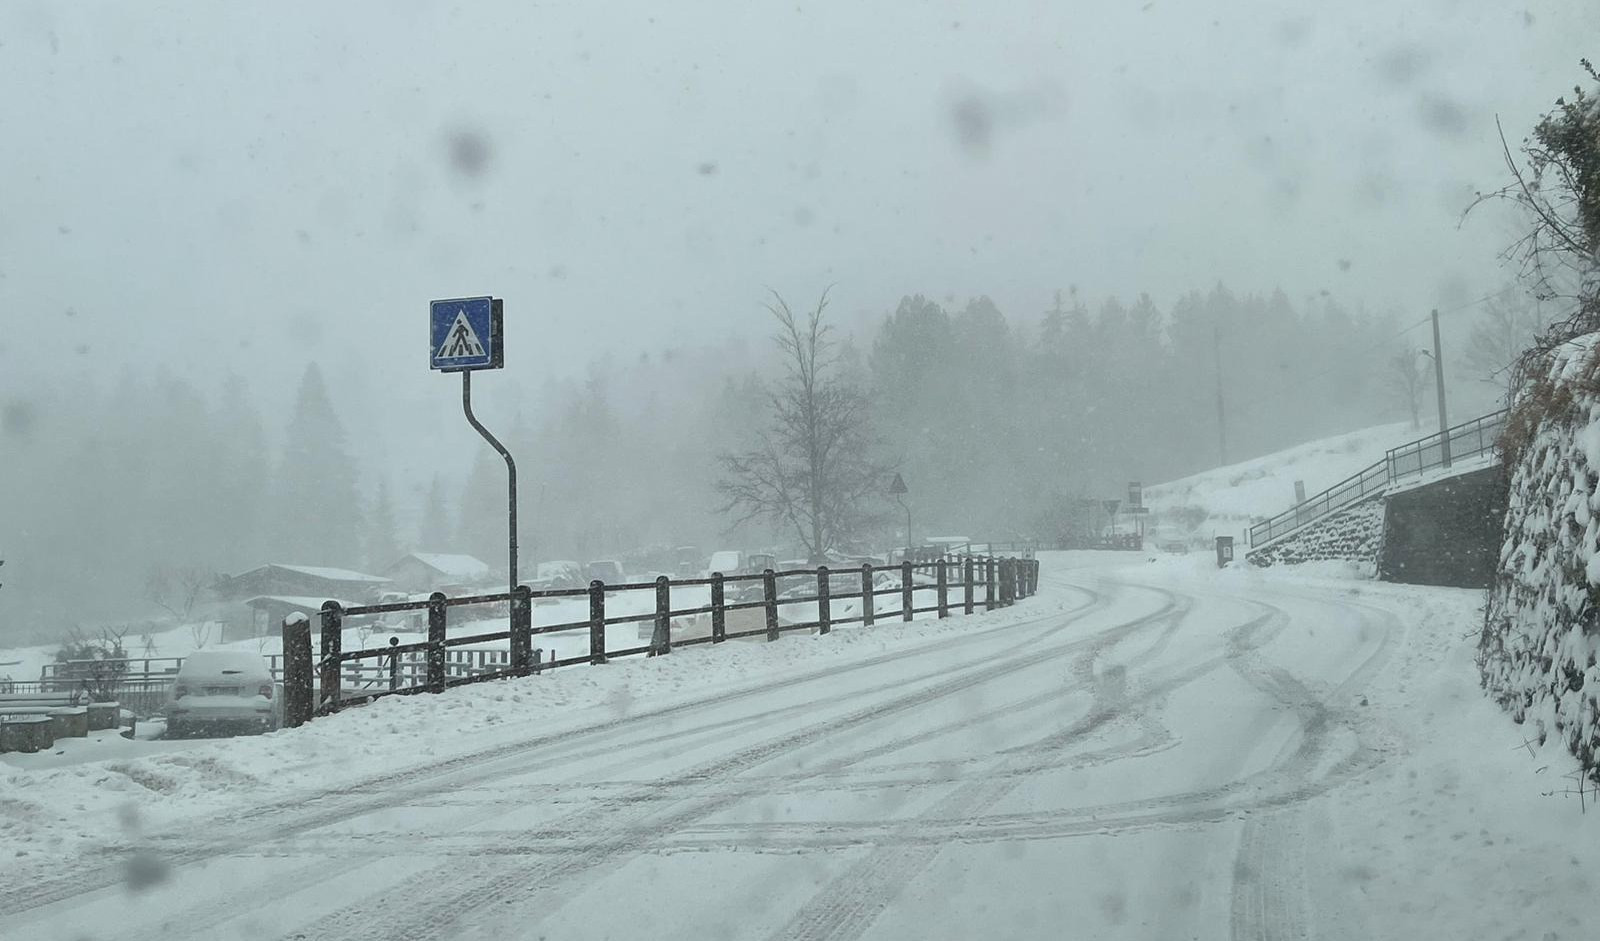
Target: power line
1384 341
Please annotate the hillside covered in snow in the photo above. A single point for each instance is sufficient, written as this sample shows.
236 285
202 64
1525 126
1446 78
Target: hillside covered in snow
1226 500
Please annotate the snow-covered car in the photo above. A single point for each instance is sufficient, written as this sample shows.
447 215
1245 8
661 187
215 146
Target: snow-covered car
222 689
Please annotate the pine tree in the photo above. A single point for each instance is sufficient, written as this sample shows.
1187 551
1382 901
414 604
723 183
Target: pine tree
318 507
382 547
434 532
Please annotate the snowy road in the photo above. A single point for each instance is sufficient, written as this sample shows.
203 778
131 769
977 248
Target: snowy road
1148 757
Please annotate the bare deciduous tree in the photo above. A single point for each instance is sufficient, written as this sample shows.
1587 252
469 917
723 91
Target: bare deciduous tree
1405 379
1557 184
176 591
1509 325
98 664
813 468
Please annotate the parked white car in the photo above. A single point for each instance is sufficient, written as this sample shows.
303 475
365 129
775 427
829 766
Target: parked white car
217 689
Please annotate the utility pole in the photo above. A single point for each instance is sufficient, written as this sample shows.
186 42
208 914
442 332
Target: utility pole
1438 378
1222 421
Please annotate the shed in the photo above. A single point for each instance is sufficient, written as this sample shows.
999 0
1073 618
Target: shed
422 572
300 581
269 611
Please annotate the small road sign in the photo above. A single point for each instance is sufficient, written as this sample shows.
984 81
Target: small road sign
465 334
898 485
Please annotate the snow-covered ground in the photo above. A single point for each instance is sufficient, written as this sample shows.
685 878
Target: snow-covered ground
1226 500
1147 749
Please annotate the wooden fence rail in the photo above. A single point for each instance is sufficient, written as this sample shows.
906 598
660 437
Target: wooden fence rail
340 677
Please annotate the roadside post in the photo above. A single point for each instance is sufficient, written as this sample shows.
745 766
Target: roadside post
296 670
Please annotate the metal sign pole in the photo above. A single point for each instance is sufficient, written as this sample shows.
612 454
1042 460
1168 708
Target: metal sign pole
511 474
464 334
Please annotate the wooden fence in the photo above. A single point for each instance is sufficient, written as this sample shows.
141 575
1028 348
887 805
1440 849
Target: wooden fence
960 585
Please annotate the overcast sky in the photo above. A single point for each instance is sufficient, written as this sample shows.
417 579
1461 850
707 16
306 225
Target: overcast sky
245 186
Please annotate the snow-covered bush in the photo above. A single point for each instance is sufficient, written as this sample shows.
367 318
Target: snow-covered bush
1541 632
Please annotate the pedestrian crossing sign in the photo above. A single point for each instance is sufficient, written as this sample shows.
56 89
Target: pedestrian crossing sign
465 334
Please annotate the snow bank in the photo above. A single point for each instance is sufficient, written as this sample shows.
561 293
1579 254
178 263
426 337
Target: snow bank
1537 652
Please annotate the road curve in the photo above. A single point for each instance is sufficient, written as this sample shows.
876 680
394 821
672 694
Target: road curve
1144 763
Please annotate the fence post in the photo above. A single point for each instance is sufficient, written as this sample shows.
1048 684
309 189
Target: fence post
824 615
867 587
394 665
905 590
661 639
970 587
944 591
332 644
719 614
522 631
769 594
1008 582
597 622
436 648
990 601
296 670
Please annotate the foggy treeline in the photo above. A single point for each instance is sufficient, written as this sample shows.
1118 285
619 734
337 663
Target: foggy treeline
997 420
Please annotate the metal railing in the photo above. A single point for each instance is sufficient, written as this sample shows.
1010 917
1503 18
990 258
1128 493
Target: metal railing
749 605
1467 440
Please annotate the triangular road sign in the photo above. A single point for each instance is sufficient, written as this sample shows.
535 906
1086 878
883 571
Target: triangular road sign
461 340
898 486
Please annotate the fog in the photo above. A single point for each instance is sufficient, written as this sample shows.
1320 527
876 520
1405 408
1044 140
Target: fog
200 202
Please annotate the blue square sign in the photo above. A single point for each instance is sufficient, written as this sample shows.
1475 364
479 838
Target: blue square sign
464 334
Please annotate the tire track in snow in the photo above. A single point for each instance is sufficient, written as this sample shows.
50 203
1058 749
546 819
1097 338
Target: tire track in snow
196 842
1271 894
848 904
210 912
433 904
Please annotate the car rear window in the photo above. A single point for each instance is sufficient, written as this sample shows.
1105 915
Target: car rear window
220 661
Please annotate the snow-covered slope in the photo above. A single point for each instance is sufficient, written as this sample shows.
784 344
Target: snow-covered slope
1224 501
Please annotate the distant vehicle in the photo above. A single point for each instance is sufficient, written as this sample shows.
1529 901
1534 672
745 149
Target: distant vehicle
687 561
558 575
728 562
216 689
605 571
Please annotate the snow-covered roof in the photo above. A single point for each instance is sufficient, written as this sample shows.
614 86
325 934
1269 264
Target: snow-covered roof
448 564
331 574
310 605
